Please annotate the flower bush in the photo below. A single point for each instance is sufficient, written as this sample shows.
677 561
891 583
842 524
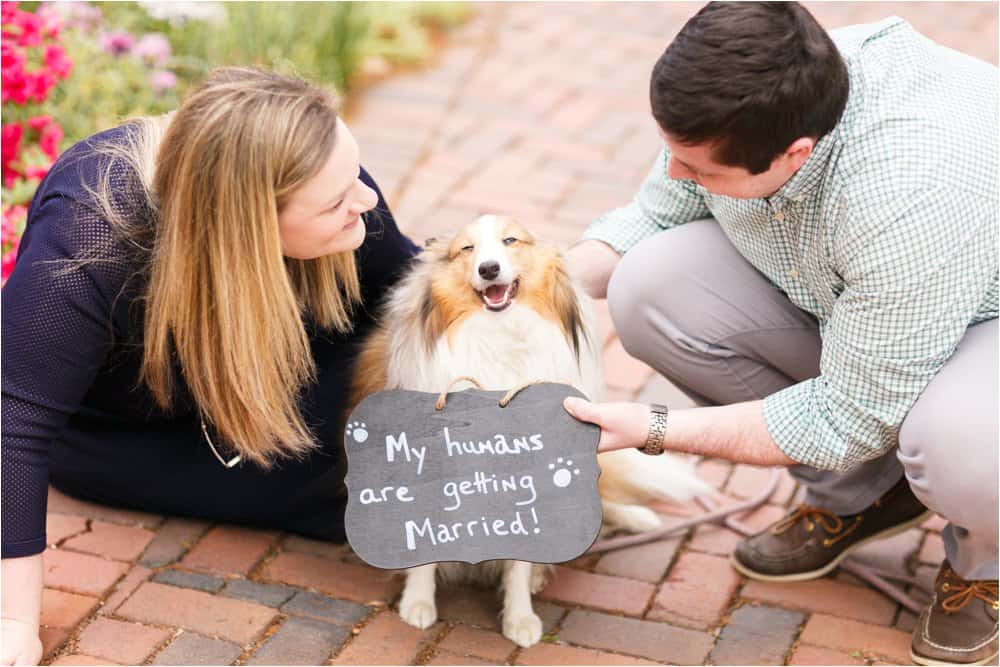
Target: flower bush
122 75
33 62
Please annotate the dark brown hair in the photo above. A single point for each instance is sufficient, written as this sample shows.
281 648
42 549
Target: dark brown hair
751 77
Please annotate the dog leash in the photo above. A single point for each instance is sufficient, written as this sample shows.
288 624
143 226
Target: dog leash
879 579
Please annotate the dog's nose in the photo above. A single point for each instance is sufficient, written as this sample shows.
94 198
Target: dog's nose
489 270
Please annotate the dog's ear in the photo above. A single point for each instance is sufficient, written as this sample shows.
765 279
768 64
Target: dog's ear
566 305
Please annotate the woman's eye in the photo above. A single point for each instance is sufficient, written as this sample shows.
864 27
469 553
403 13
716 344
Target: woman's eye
509 240
468 248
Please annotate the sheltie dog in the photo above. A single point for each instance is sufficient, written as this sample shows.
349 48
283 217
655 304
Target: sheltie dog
498 305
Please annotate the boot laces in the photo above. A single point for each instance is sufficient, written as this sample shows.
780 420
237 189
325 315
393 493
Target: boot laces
963 592
813 516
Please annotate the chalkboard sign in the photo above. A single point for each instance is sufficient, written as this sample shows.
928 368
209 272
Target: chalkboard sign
473 481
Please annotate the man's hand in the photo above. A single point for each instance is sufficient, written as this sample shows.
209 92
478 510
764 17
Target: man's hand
734 432
21 645
622 424
591 263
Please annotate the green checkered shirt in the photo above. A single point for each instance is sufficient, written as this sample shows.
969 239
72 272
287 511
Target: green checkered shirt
887 234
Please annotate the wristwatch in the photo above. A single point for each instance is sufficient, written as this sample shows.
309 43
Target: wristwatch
657 429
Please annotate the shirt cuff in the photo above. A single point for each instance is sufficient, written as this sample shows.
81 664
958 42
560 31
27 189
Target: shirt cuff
794 421
22 549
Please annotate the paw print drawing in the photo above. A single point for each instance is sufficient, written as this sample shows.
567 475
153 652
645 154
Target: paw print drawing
562 477
358 431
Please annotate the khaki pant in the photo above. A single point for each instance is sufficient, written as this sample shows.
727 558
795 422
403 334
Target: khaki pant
689 305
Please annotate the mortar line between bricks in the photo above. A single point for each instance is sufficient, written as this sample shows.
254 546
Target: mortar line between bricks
255 644
255 571
74 632
357 629
796 638
177 632
447 627
430 650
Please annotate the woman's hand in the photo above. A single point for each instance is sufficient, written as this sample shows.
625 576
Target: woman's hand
622 424
21 645
22 608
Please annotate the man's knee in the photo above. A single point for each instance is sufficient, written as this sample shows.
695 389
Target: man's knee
657 273
950 461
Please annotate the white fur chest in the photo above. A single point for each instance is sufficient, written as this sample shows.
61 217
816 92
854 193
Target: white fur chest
503 350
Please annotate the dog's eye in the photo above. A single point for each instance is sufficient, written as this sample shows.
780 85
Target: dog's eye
468 248
509 240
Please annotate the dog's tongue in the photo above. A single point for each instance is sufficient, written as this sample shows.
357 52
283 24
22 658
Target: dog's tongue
495 293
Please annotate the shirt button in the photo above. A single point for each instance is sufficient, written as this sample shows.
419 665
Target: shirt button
793 273
779 216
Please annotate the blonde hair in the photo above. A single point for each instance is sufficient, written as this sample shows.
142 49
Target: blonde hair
221 296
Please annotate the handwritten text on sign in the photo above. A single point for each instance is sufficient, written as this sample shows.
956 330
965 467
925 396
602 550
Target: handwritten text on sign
473 481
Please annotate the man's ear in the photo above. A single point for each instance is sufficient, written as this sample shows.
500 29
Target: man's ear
799 151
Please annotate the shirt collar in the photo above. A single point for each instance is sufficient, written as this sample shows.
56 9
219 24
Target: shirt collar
811 173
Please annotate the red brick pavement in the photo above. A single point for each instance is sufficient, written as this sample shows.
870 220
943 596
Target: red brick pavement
538 110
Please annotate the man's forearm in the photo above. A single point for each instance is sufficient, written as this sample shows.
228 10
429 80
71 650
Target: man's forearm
735 432
591 263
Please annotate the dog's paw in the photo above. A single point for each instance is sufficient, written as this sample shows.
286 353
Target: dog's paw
638 519
418 613
523 630
539 577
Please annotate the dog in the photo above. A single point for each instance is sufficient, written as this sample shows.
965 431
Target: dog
496 304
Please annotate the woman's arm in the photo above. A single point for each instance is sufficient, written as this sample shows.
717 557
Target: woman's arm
22 609
56 334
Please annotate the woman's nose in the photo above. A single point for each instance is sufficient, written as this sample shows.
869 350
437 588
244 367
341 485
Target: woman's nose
367 199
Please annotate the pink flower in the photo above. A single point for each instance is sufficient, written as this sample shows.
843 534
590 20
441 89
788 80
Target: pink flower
162 80
117 42
82 16
31 29
39 84
52 20
49 140
8 11
11 147
38 123
15 85
13 228
7 265
57 61
11 57
35 173
154 48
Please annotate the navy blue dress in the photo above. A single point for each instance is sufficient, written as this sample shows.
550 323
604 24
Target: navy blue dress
75 414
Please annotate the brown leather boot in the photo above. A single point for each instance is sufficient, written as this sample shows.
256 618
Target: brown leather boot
810 542
960 625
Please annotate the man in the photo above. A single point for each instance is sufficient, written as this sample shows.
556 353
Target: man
815 251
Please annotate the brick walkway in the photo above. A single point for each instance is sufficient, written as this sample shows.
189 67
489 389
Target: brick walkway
537 110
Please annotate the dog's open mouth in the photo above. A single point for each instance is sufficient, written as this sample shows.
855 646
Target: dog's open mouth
499 296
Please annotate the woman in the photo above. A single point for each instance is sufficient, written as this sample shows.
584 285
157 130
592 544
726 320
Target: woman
180 326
